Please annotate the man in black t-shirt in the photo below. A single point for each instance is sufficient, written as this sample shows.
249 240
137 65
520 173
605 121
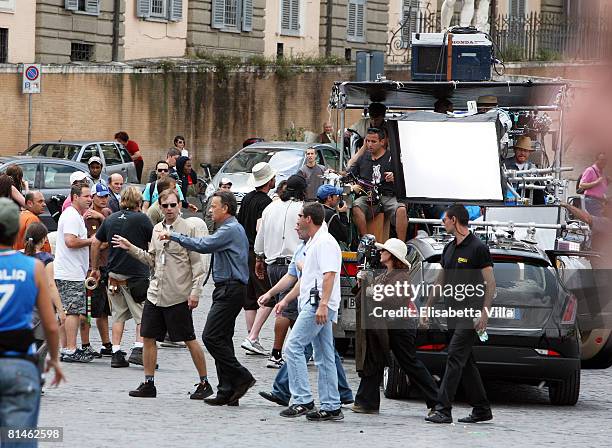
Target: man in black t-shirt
375 166
253 205
467 265
128 278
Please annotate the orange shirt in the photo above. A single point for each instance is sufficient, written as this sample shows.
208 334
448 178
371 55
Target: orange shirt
26 218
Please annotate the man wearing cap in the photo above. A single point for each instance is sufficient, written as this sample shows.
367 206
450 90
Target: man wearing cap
95 170
378 336
225 184
75 178
520 161
335 216
275 245
34 207
100 307
313 173
253 204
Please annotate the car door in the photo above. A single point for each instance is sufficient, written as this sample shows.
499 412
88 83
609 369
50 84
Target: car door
30 170
116 162
331 158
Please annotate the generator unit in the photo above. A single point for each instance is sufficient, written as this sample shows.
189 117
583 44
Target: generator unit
464 56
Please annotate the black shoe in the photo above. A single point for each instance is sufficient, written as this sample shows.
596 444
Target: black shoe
439 417
273 398
91 352
242 389
362 410
297 410
220 400
477 417
204 390
145 390
106 351
118 359
234 403
78 356
136 356
323 416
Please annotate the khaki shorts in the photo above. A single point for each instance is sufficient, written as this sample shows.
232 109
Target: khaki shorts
123 307
389 206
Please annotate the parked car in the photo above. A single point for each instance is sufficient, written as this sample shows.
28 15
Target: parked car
51 177
115 157
286 158
539 344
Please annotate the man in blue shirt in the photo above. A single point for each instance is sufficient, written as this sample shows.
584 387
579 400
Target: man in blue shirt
230 247
23 285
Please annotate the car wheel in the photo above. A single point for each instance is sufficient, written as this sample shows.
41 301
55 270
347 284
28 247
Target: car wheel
395 381
565 393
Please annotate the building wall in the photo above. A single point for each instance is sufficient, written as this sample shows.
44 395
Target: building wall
20 22
57 28
376 26
151 38
202 37
306 44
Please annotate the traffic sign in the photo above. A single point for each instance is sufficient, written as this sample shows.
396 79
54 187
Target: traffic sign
31 78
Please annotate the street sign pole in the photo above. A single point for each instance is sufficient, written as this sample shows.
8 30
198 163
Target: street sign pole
30 85
29 119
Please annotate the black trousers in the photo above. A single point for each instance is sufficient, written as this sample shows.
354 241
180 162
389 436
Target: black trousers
461 368
217 336
403 345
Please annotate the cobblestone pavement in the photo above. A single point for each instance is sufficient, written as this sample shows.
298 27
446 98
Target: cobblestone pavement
95 410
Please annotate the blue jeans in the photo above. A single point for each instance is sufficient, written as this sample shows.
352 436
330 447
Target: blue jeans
306 331
19 395
280 388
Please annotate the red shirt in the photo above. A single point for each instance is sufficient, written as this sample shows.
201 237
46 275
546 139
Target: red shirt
133 148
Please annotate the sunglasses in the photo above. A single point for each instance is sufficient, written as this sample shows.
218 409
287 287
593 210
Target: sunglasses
180 141
171 205
163 170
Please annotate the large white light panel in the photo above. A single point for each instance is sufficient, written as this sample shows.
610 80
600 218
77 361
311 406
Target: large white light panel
450 160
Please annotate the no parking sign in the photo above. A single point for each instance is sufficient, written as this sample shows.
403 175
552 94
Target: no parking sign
31 78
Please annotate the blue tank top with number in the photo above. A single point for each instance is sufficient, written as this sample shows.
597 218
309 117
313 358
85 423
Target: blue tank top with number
18 292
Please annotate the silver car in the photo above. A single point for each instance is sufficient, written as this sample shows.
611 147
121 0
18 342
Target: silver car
116 158
286 158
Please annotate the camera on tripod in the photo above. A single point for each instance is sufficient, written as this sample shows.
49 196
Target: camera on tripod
368 255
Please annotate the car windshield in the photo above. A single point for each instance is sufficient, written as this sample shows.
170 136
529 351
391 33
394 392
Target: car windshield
281 160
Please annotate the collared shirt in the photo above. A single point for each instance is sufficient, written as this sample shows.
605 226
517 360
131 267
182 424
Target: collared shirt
230 246
277 236
298 257
177 272
322 255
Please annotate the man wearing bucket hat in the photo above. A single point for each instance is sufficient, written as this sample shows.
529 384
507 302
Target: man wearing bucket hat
335 216
378 336
489 104
253 204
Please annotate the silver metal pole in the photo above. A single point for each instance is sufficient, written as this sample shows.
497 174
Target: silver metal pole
500 224
342 111
29 119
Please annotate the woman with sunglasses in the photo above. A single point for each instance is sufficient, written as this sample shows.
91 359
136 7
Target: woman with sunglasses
179 143
378 336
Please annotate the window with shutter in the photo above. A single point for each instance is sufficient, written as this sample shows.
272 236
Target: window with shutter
88 6
247 15
355 30
409 7
518 8
92 6
143 8
176 10
227 14
290 17
159 9
72 5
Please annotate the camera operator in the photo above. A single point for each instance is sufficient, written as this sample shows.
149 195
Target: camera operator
375 166
378 338
335 212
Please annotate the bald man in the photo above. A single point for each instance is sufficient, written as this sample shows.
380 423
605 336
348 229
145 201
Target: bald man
327 136
115 183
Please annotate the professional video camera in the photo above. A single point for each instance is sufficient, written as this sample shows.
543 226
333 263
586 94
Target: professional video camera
368 255
363 188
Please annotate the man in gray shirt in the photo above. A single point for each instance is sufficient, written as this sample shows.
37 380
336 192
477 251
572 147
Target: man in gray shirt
230 247
313 173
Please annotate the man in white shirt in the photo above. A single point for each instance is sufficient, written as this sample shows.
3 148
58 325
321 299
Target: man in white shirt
275 245
318 304
71 265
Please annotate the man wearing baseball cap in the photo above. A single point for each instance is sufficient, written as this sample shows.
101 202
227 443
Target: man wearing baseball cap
75 178
95 170
225 184
335 215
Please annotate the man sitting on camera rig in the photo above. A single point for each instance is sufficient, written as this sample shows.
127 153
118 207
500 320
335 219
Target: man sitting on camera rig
375 166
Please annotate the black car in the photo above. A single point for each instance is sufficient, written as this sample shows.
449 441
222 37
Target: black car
538 342
51 177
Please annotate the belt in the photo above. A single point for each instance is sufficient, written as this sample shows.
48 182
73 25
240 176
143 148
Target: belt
283 261
229 282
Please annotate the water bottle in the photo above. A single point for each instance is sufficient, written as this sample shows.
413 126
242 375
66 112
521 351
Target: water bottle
482 334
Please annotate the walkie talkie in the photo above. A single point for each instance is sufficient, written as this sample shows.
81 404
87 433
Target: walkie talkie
314 295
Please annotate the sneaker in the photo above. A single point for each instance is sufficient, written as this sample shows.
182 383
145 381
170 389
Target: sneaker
106 351
203 390
78 356
145 390
136 356
253 347
118 359
275 363
323 416
91 352
297 410
439 417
